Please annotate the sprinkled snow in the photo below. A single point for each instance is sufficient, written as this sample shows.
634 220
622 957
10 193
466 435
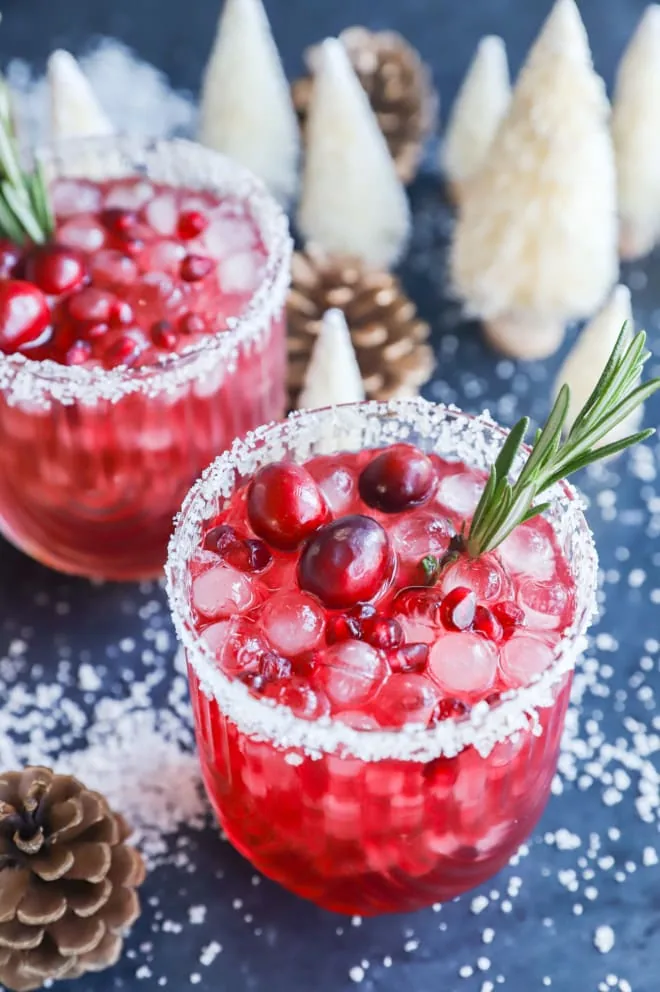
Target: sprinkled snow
604 939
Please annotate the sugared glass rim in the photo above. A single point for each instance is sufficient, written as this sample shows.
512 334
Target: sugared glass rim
174 162
466 437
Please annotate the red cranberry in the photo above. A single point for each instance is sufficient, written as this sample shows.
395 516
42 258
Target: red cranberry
191 324
285 505
191 223
118 221
24 315
78 353
125 350
195 267
510 615
91 306
219 538
342 627
346 562
487 624
10 256
409 658
56 269
458 608
398 478
382 632
448 709
163 335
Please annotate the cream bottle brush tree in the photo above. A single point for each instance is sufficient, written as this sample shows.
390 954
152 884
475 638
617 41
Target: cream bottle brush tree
636 134
481 103
246 109
352 201
75 111
589 355
536 242
333 374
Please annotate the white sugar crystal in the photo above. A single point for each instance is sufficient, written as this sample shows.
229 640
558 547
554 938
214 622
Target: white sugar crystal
604 939
352 200
478 904
210 953
356 973
649 857
333 374
75 110
246 109
197 915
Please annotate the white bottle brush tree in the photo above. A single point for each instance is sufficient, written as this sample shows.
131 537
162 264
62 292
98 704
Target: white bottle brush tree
352 200
246 108
536 242
75 111
636 134
482 101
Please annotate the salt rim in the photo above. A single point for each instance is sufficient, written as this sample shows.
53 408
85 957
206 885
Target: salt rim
176 162
446 430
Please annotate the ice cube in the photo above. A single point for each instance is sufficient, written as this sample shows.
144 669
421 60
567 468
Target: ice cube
337 483
463 664
547 605
483 575
237 644
129 194
74 196
241 272
226 236
523 658
422 533
163 256
82 231
299 696
112 268
460 491
222 591
162 214
293 622
529 550
351 673
405 699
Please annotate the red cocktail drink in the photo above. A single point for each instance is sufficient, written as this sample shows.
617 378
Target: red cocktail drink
134 347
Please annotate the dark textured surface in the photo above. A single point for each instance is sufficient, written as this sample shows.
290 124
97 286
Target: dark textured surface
270 940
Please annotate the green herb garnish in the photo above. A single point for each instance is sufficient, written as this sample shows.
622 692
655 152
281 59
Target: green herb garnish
25 213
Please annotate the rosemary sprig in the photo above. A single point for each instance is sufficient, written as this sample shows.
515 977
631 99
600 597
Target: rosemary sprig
503 504
25 213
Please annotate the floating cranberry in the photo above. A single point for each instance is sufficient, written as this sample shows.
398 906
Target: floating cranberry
195 267
78 353
510 615
348 561
487 624
191 223
285 505
164 335
409 658
24 315
219 538
10 256
382 632
91 306
55 269
397 479
125 350
450 709
191 324
342 627
119 222
457 609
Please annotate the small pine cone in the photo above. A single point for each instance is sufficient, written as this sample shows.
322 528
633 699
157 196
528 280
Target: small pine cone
67 879
399 87
388 336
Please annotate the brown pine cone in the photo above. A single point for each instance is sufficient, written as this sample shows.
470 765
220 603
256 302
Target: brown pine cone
388 336
67 879
399 87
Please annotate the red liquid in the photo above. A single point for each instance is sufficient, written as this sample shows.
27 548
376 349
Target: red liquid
91 486
361 836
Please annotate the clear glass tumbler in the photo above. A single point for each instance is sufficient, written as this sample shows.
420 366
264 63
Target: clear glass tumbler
94 463
375 821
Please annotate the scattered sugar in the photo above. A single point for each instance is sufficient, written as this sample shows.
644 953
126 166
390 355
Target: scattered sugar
604 939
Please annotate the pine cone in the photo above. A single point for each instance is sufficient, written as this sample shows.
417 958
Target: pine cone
399 87
67 879
388 336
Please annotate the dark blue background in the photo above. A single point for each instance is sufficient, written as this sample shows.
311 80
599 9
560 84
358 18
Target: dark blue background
299 948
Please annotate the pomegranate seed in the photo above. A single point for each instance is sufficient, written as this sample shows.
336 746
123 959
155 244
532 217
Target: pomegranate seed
510 615
382 633
487 624
409 658
418 601
274 668
132 246
342 628
125 350
397 479
91 306
192 324
258 555
78 353
122 312
191 223
448 709
458 608
117 221
494 698
255 681
96 331
24 315
220 538
346 562
195 267
10 256
285 505
245 555
164 335
56 269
